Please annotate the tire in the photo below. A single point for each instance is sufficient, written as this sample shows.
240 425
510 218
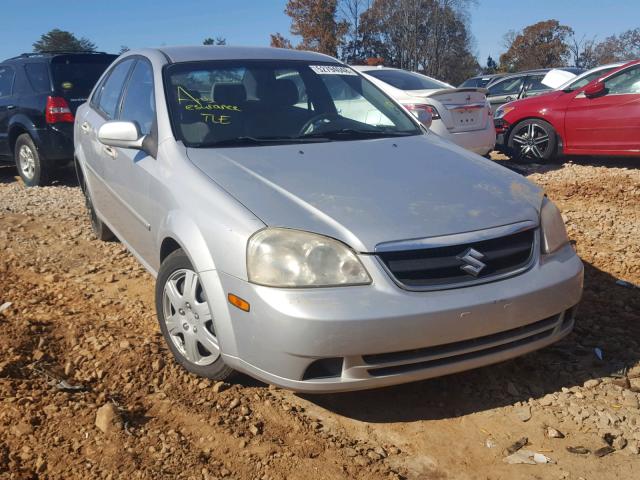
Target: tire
185 319
100 230
31 166
533 140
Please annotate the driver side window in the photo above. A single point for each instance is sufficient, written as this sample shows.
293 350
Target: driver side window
110 90
624 82
139 104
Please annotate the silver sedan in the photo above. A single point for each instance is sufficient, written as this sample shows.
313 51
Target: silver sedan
305 229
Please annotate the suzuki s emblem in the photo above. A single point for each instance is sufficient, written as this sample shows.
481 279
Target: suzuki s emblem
472 258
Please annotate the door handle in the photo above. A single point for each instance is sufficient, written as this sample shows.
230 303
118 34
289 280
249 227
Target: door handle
11 107
110 151
86 127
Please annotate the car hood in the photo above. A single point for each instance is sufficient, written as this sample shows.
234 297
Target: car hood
365 192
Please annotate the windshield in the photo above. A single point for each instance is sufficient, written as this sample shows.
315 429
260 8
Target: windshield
75 75
235 103
407 80
582 81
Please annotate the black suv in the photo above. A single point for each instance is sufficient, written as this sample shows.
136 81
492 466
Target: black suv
39 96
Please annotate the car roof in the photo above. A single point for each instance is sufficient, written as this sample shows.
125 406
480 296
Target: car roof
199 53
46 56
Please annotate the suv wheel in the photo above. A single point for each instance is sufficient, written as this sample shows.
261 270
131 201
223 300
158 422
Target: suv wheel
533 140
29 162
185 319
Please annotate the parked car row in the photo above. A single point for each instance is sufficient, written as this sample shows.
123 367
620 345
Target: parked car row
506 87
39 96
596 113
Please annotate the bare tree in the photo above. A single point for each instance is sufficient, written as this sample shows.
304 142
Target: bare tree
350 11
582 51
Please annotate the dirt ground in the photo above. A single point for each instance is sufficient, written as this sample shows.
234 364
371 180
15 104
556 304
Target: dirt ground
81 315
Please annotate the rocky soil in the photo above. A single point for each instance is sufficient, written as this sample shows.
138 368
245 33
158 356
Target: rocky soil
89 390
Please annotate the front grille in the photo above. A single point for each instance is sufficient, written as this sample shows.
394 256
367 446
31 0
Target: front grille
438 355
439 267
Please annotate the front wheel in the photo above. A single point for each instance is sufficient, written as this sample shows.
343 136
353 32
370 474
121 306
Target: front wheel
185 319
533 140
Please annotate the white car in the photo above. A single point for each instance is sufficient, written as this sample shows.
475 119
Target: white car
461 115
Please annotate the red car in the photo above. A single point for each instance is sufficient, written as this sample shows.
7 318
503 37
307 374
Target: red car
599 118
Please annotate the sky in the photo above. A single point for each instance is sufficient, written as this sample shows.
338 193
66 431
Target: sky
147 23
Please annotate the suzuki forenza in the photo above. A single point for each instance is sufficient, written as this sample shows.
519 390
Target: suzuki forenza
308 248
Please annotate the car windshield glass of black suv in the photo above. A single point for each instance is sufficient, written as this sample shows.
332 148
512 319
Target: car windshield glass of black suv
75 75
244 103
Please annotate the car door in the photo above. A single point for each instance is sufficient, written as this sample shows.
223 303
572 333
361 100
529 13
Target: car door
533 85
7 104
609 123
128 169
105 104
505 90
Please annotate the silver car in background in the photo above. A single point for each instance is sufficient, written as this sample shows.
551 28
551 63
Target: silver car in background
306 247
460 115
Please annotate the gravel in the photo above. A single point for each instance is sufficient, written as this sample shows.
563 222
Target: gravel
83 310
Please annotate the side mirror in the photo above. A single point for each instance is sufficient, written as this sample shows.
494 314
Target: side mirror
121 134
594 89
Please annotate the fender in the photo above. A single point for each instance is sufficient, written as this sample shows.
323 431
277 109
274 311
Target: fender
184 232
20 122
178 226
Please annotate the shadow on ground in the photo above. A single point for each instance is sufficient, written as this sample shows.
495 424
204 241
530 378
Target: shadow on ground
608 318
527 168
65 176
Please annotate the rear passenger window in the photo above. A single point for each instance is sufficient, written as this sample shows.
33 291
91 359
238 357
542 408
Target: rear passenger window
139 104
6 81
38 75
112 88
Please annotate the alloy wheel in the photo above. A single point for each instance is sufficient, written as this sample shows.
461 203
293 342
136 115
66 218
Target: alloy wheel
188 318
532 140
27 162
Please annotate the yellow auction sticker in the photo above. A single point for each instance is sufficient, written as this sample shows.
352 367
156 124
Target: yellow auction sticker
67 85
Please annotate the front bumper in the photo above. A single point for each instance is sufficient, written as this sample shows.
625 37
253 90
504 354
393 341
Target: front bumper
381 335
502 128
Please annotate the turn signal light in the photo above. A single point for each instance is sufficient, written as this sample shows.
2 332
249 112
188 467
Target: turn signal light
57 110
238 302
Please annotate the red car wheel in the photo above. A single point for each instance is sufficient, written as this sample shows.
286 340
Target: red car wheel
533 140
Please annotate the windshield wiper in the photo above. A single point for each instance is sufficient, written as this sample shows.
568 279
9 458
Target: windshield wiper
247 140
355 133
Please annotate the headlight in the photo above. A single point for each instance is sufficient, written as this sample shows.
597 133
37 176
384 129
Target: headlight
554 233
502 110
280 257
